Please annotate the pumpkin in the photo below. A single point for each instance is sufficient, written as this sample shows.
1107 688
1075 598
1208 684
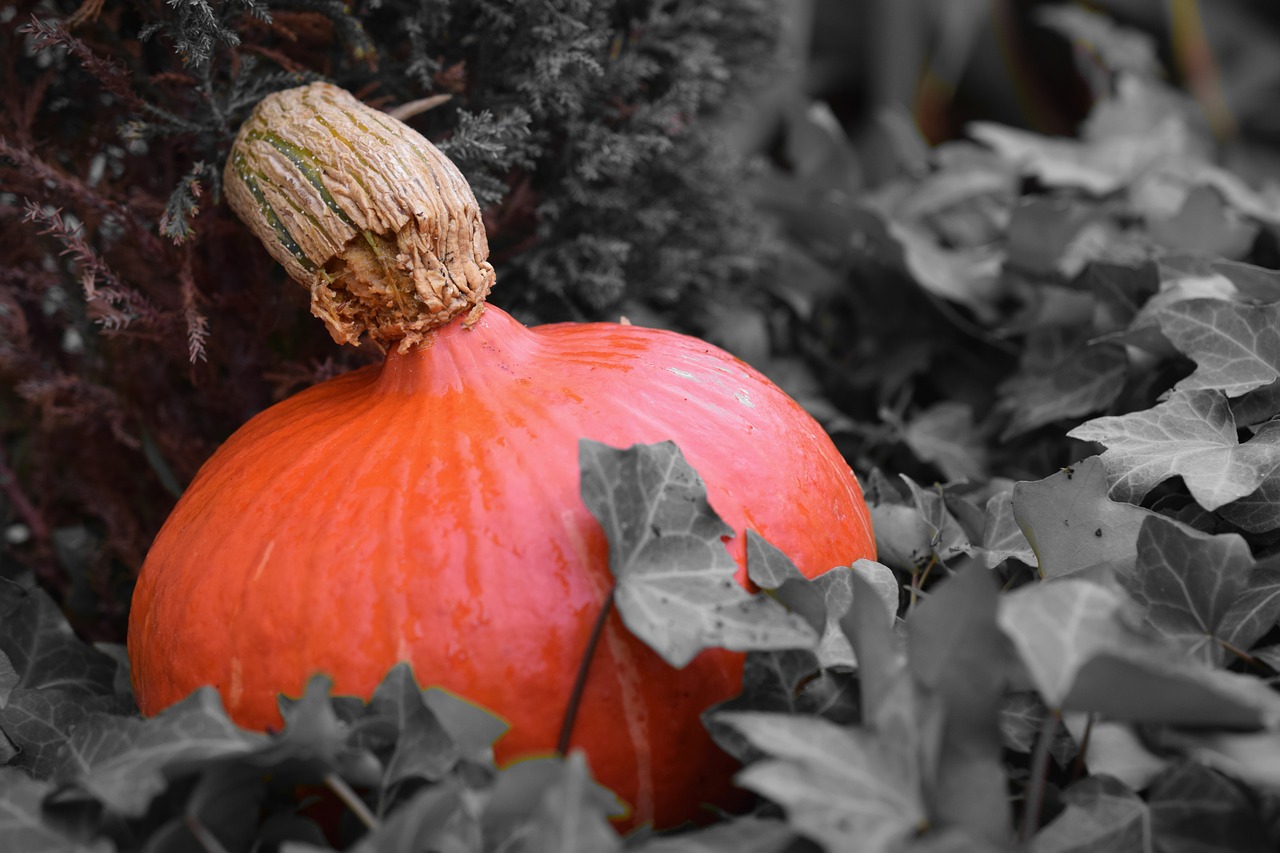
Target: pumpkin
428 509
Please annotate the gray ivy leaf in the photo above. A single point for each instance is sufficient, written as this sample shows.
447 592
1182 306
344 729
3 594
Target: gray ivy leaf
771 681
1236 347
1256 511
849 789
837 589
1042 231
1270 655
1205 224
423 748
1085 380
1177 284
1258 284
424 822
947 538
955 651
472 728
822 601
1119 47
1022 716
125 762
1082 651
945 435
41 646
1192 435
1099 165
1121 290
741 835
1114 749
970 276
22 825
1188 583
1194 809
1056 162
1101 816
1071 523
551 804
904 540
1251 757
675 580
1256 611
1257 406
39 724
1002 538
9 678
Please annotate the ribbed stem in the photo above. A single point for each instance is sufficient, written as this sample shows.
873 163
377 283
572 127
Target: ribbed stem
364 212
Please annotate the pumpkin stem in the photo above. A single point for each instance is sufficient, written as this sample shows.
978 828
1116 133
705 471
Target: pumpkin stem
584 668
364 212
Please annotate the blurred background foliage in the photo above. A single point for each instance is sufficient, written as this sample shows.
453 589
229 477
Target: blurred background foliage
733 168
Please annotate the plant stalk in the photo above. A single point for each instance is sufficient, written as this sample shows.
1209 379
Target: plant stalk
584 668
1039 775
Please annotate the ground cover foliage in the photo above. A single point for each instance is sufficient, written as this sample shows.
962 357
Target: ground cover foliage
1053 362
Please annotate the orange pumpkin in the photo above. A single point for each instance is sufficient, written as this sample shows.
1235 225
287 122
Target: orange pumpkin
428 510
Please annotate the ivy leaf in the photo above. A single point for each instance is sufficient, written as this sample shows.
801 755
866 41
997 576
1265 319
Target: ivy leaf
22 825
845 788
1190 584
1256 511
1099 166
1256 283
675 580
312 729
1084 380
822 601
1121 291
771 681
1205 224
421 823
743 835
945 435
969 276
1101 816
1114 749
40 722
125 762
1119 48
1257 407
1071 523
471 727
423 748
947 538
1236 347
957 654
1251 757
9 678
1192 434
1194 809
550 804
1002 538
1083 653
1178 283
41 646
1021 718
904 540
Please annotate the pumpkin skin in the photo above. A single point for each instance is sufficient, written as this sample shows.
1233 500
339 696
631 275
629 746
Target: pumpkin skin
428 510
